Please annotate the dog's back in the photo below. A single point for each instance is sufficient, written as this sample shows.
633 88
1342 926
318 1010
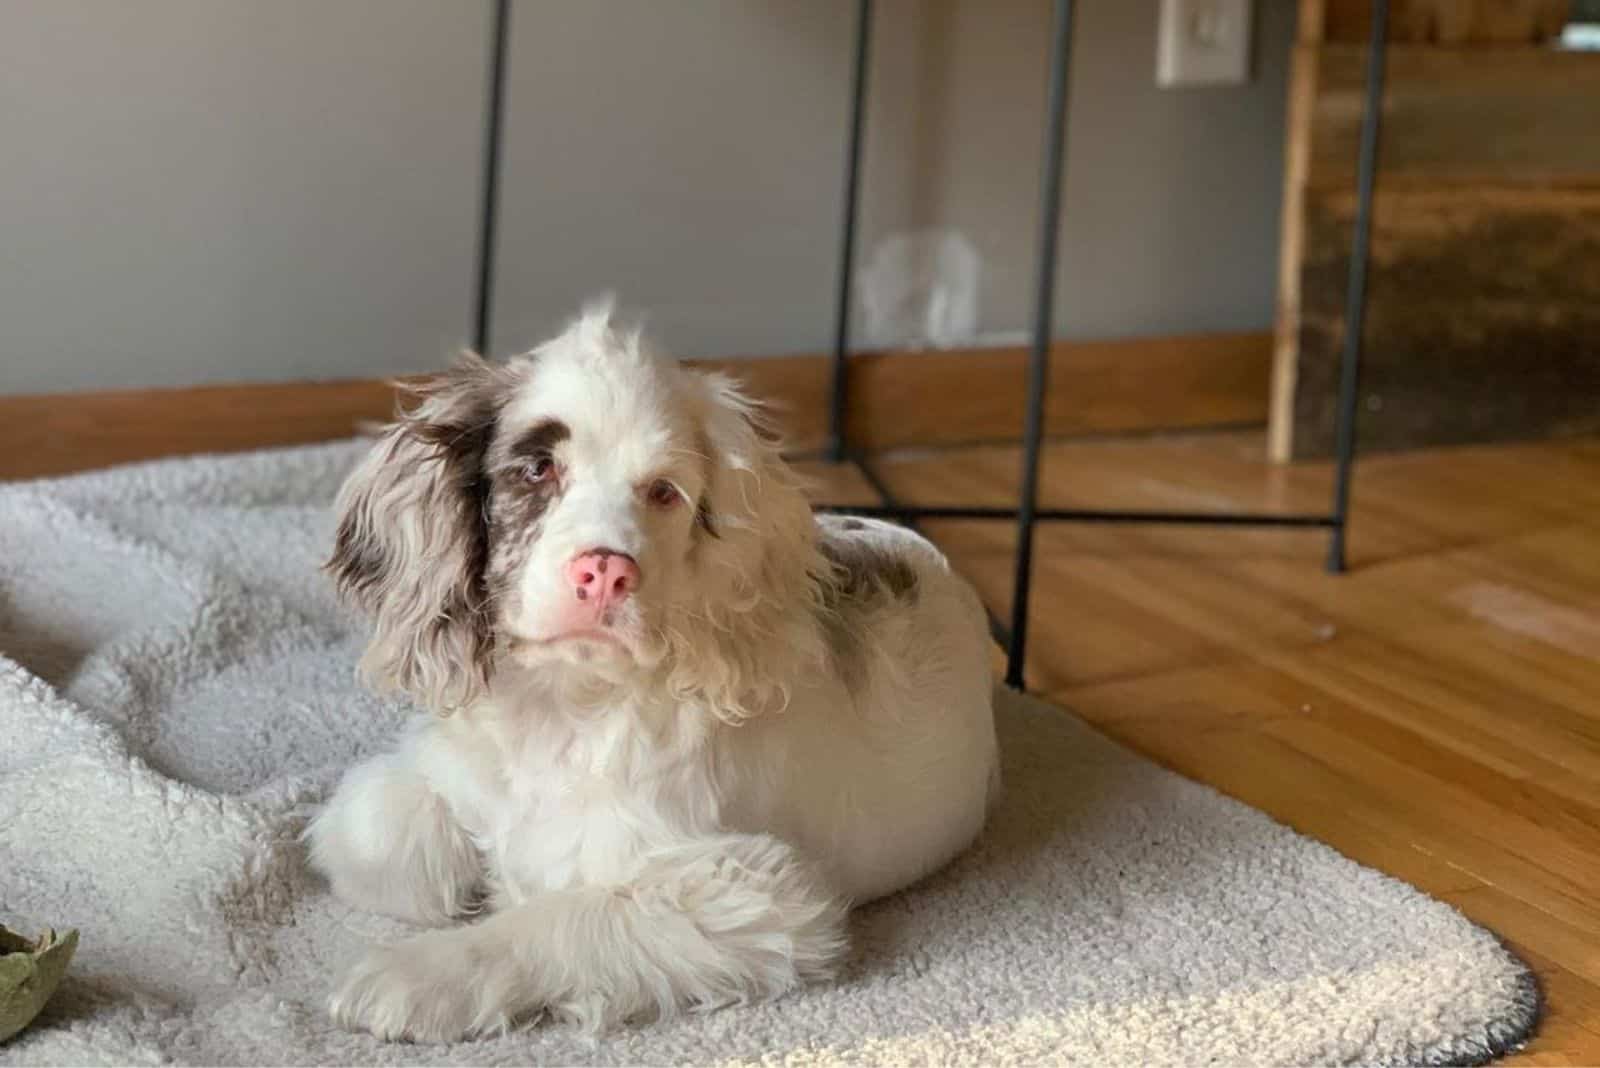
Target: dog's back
884 767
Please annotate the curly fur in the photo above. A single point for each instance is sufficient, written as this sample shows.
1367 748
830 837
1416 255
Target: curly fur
411 545
785 717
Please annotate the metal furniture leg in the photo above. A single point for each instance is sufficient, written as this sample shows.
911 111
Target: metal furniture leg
1355 298
838 445
1055 136
489 207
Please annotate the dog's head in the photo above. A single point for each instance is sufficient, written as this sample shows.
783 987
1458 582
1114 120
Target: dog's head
589 509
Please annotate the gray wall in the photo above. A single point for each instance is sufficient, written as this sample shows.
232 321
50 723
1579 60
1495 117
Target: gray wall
215 190
225 190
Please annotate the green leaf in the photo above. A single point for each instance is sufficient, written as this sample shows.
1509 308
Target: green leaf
29 974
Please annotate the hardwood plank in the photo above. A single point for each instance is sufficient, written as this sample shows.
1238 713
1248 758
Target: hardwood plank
1330 797
59 433
1555 561
46 434
1546 677
1311 21
1445 22
1572 952
898 399
1486 117
1481 310
1326 803
1486 235
835 483
1569 1033
1304 76
1555 845
1406 503
1317 805
1563 960
1548 745
942 398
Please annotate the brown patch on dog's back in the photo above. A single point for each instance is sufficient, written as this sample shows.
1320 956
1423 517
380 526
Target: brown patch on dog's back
866 576
865 570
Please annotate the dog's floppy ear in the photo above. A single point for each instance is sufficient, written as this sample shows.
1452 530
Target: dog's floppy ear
412 542
757 566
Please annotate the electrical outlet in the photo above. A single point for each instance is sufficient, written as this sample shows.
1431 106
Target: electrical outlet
1203 42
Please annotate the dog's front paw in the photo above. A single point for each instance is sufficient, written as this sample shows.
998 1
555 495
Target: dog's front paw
421 990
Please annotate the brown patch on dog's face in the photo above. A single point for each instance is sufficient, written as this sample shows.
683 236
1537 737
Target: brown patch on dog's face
539 440
517 502
461 446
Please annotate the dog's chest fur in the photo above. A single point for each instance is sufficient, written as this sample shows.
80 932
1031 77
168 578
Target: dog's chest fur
561 799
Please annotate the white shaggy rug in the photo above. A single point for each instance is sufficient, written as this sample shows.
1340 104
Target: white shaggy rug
177 693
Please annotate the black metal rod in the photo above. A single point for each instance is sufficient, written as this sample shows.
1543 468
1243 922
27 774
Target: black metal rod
875 480
1355 299
894 510
1055 136
838 443
489 205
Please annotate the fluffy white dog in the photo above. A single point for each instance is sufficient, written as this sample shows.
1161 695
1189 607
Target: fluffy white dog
679 724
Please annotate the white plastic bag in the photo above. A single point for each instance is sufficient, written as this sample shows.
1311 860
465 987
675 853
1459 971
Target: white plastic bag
919 289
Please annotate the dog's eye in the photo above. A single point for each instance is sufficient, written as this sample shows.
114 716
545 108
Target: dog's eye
663 494
539 469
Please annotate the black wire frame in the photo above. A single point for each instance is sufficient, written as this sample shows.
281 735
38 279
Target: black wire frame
494 124
1027 515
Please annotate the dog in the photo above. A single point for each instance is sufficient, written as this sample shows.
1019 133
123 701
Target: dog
675 724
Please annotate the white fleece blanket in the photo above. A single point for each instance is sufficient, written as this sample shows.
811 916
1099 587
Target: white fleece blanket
177 694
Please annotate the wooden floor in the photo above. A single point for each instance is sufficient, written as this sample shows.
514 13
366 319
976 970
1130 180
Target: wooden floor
1435 713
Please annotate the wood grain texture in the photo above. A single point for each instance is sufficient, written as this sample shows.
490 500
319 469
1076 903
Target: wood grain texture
966 396
1433 714
1454 23
48 434
1482 317
1521 117
897 400
1485 281
1304 76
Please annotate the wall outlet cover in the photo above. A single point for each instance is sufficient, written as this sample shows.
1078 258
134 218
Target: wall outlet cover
1203 42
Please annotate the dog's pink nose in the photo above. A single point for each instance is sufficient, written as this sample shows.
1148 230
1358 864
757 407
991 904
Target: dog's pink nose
603 577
